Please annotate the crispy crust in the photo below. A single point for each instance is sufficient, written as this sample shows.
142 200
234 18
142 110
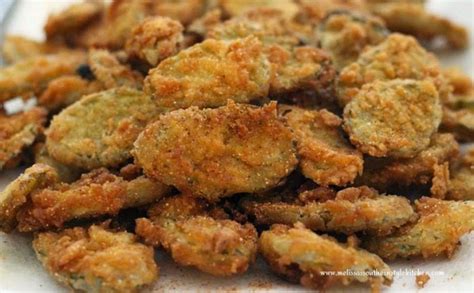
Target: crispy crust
99 130
326 156
213 153
185 11
393 118
461 183
438 230
300 255
96 260
234 8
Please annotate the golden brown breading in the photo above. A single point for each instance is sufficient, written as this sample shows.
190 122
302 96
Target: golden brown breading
204 24
459 122
155 39
399 56
108 70
438 230
66 90
17 193
414 19
393 118
353 210
73 19
214 153
198 236
96 193
210 73
185 11
344 35
99 130
461 183
326 156
66 173
302 256
234 8
314 12
96 259
440 181
17 132
462 83
32 75
18 48
383 173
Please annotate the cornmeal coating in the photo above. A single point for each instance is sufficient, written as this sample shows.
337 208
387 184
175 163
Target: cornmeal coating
199 235
393 118
155 39
99 130
184 11
110 73
459 122
399 56
302 256
66 173
66 90
32 75
96 259
234 8
461 182
16 194
438 230
346 34
17 132
414 19
314 12
326 156
354 209
382 173
213 153
96 193
209 73
202 25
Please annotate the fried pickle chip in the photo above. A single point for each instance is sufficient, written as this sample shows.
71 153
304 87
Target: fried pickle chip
238 7
414 19
345 34
16 194
19 131
302 256
99 130
66 173
214 153
155 39
108 70
438 230
393 118
96 259
382 173
31 76
353 210
66 90
198 236
203 25
314 12
96 193
326 156
461 183
185 11
399 56
210 73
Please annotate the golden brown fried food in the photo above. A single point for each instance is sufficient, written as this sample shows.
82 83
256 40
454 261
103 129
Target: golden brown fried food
314 12
185 11
66 90
238 7
302 256
73 19
326 156
99 130
108 70
203 25
210 73
393 118
344 35
31 76
462 84
17 193
96 193
186 227
17 132
66 173
459 122
399 56
414 19
18 48
353 210
461 183
96 259
154 40
440 181
382 173
214 153
438 230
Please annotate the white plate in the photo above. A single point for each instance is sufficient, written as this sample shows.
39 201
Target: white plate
21 272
